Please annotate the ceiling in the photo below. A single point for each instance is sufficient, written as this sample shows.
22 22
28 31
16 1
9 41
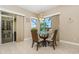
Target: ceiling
37 8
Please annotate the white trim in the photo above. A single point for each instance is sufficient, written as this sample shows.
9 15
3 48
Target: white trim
13 29
52 14
0 44
33 17
27 38
67 42
0 28
9 11
6 16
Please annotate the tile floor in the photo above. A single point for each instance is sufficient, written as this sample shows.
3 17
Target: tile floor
24 47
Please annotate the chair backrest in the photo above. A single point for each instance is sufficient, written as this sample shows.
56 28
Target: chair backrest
34 36
55 34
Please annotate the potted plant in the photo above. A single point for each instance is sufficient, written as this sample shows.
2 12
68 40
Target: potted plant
33 30
34 34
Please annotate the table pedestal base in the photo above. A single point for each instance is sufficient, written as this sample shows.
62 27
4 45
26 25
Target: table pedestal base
45 43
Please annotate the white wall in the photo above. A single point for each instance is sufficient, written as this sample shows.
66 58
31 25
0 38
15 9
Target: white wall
68 23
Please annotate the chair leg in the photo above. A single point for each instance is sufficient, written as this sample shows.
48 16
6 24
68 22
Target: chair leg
54 45
37 46
48 43
32 44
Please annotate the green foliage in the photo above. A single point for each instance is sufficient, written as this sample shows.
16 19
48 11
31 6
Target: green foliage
33 29
43 26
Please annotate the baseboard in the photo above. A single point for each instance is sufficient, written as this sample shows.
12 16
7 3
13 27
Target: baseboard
27 38
67 42
0 44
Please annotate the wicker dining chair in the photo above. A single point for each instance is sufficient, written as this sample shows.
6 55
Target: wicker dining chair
52 40
35 39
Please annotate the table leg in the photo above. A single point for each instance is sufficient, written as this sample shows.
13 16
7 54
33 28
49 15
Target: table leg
44 43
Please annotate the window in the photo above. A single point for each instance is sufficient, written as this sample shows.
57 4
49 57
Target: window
34 22
45 24
48 22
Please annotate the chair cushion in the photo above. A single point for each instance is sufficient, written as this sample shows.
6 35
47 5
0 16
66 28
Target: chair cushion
50 37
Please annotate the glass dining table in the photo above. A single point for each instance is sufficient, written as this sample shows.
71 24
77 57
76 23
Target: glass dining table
44 35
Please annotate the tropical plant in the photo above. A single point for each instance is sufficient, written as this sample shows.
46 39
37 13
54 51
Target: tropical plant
33 29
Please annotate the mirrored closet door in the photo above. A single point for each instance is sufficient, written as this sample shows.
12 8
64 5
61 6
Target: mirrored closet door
12 27
7 29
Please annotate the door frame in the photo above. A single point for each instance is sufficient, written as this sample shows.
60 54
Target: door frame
0 29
